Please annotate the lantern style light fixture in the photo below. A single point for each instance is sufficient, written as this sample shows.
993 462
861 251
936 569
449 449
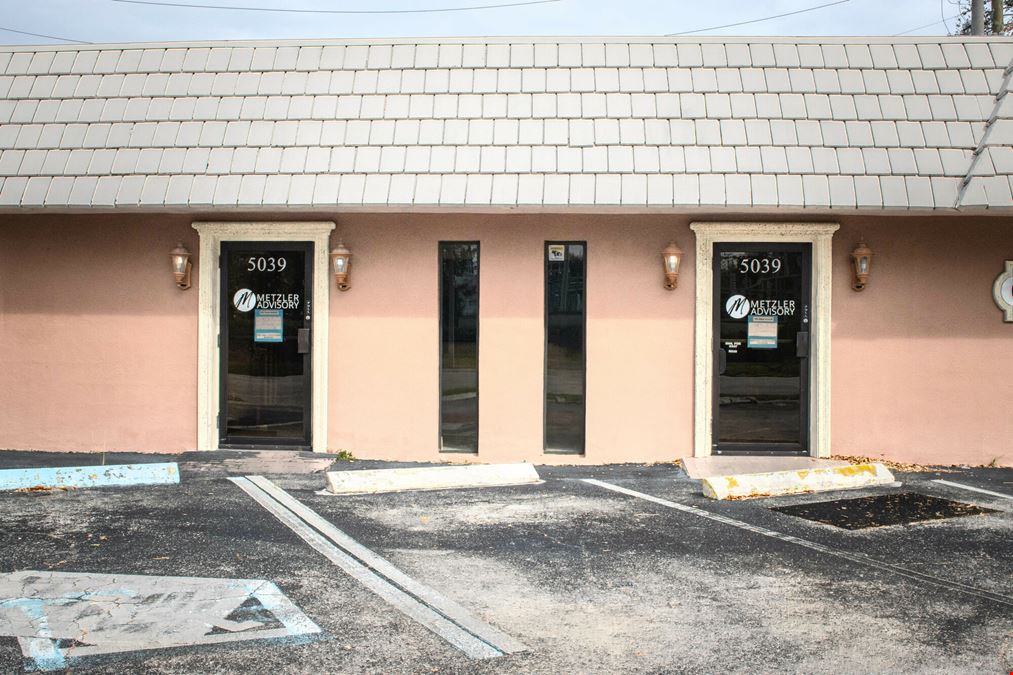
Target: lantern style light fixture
341 262
861 262
181 266
671 257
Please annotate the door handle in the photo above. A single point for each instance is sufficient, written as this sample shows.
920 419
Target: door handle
722 361
303 338
802 344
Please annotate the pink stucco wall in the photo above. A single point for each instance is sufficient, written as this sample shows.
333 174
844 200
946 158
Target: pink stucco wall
385 332
921 358
98 349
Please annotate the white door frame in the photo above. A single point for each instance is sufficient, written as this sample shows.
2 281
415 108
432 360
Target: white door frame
212 234
820 236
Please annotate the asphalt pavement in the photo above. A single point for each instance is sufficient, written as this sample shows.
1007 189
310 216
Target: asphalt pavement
597 569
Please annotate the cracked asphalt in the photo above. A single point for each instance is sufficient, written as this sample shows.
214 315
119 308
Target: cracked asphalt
589 579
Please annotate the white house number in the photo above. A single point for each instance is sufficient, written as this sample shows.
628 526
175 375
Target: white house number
266 264
760 265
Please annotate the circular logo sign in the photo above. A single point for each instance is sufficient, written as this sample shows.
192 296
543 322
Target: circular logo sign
244 300
737 306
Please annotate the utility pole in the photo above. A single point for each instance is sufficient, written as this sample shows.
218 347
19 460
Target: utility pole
977 17
997 17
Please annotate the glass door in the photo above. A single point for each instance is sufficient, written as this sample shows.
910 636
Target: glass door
266 321
762 318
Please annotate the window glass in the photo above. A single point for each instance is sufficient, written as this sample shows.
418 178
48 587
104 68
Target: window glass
459 347
564 347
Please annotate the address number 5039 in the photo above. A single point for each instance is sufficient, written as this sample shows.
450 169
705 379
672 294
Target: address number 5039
760 265
265 264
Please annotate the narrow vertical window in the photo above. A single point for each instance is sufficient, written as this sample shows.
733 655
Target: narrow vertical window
459 346
565 314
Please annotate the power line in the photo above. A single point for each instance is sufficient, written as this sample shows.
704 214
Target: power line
928 25
766 18
40 35
334 11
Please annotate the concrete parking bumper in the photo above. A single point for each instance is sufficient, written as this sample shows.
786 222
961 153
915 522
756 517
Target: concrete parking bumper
778 483
430 478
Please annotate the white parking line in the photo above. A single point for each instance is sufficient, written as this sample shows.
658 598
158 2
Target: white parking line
440 603
437 613
859 558
971 488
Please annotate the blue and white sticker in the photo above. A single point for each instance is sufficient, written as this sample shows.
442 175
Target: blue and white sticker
762 332
269 325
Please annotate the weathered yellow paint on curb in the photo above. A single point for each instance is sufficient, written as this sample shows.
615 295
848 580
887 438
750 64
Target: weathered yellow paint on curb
775 483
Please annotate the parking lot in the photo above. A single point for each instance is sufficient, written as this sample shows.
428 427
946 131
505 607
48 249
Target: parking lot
596 569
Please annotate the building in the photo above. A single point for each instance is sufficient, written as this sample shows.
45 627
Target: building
506 204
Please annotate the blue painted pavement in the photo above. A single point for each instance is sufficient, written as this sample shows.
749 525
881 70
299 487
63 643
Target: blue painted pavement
90 476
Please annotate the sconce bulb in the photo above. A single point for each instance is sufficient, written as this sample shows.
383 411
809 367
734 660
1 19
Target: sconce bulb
341 259
180 259
671 257
861 261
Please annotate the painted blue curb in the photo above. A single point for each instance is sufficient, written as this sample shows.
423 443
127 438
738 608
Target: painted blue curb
90 476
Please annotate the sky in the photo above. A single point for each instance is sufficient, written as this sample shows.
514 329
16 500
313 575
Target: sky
112 21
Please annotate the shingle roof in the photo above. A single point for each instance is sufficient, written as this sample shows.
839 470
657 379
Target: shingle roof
825 123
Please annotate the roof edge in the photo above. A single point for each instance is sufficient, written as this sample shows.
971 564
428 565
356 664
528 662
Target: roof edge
515 39
336 210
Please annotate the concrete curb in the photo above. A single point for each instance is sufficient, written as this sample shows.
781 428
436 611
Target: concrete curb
429 478
776 483
89 476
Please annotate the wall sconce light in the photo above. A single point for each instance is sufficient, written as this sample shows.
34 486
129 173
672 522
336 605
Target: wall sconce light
181 266
341 262
861 262
671 257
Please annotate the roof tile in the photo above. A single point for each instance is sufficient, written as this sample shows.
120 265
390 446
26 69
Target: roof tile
859 56
894 191
712 189
714 54
867 191
786 55
747 159
762 54
842 191
815 190
732 111
919 192
979 55
789 190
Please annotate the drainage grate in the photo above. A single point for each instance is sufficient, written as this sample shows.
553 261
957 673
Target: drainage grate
882 510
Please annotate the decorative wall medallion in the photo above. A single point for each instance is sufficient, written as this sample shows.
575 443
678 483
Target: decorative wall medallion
1002 292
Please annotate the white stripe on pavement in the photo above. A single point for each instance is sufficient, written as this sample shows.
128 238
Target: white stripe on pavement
859 558
972 489
456 626
440 603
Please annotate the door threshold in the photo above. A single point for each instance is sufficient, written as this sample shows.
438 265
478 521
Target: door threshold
759 453
266 448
